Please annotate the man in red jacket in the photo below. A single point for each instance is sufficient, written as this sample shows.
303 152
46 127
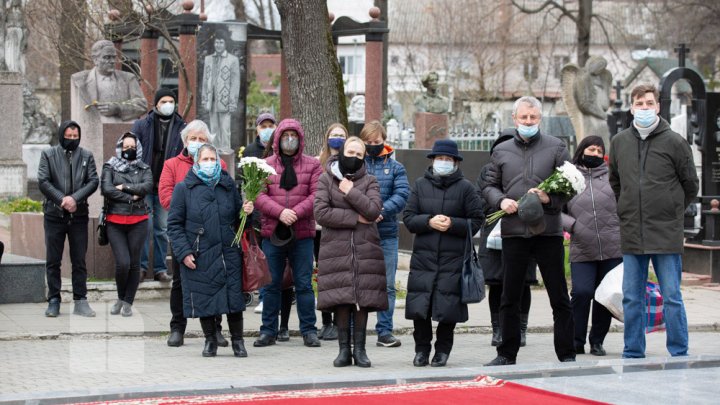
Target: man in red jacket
194 135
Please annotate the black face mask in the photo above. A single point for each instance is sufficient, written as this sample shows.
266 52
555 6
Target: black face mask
69 144
350 164
592 162
129 154
374 150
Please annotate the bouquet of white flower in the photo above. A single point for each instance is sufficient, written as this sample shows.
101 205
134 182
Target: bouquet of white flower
254 173
566 180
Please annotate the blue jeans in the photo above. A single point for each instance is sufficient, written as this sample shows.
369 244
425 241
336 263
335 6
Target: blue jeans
384 324
668 268
300 256
157 227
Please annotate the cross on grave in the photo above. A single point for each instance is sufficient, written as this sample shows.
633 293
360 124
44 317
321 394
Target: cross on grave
618 88
682 52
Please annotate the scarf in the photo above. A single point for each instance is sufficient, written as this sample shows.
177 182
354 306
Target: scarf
288 179
118 163
210 180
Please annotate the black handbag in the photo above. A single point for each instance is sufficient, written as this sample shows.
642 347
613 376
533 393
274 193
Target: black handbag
102 225
472 282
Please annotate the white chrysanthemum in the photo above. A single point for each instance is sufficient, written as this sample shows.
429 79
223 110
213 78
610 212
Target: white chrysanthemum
261 164
573 175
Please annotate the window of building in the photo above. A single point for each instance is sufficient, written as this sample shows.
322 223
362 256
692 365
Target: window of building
351 64
530 68
558 63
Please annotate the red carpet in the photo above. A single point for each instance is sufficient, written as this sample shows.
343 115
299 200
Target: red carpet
451 392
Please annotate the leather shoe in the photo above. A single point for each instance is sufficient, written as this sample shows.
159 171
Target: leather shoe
500 361
421 359
238 346
283 335
331 333
568 359
311 340
597 349
221 341
210 349
176 339
264 340
53 309
439 359
163 277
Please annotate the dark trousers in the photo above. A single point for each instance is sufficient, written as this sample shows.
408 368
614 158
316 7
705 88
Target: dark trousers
178 321
549 253
423 335
76 230
586 277
126 242
495 296
235 324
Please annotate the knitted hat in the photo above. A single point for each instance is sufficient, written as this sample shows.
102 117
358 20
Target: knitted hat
163 92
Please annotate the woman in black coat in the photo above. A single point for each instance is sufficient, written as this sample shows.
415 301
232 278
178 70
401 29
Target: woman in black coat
125 182
440 207
201 224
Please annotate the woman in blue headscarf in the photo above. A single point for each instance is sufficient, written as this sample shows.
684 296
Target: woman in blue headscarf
201 225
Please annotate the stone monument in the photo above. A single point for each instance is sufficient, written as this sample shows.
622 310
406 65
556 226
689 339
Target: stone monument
105 102
356 110
586 94
13 181
430 119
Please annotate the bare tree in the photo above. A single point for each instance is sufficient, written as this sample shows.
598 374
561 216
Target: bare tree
72 36
316 87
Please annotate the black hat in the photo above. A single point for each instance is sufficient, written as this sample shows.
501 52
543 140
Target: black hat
282 235
163 92
445 147
530 211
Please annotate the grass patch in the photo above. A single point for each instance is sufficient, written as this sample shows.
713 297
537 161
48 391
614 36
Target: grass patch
400 291
8 206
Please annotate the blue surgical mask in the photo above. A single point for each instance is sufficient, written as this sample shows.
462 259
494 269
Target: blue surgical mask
193 147
208 168
443 167
266 134
644 118
336 143
527 131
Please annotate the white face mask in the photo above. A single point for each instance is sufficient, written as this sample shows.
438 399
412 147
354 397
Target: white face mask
443 167
167 109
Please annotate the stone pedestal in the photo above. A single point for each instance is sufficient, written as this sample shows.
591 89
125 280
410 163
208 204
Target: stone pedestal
701 259
429 127
13 180
373 79
22 279
31 156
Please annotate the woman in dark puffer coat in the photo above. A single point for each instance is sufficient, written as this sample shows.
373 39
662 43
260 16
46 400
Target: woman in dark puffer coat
441 205
351 268
593 222
201 224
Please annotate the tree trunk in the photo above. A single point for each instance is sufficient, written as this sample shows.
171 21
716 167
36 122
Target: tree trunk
314 75
239 9
71 41
583 31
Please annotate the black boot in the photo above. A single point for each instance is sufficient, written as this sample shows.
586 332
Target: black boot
235 324
359 353
344 357
497 332
523 329
238 346
211 344
222 342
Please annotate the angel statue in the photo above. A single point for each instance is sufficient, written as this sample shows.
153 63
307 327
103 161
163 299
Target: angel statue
586 93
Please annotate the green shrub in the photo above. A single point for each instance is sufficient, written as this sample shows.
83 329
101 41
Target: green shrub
24 204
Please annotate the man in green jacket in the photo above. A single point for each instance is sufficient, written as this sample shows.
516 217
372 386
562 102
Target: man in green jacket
653 176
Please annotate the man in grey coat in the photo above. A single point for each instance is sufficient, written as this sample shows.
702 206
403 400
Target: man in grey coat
518 167
653 176
221 89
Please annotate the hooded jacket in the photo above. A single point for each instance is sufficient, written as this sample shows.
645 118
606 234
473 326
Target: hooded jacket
351 267
394 189
437 258
300 198
519 165
654 180
63 173
202 220
592 219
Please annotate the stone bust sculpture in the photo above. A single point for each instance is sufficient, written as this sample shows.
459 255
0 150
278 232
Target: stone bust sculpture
431 101
113 94
586 93
356 111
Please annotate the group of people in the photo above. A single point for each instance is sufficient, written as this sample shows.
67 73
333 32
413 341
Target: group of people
352 195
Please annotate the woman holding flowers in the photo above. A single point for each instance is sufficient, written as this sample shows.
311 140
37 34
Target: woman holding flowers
519 167
201 225
593 222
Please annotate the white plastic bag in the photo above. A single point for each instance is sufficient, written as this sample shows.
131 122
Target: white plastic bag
609 292
494 239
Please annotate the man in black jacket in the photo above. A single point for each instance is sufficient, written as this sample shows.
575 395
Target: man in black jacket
519 166
67 176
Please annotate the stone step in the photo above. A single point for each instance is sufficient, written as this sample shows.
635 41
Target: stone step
691 279
107 291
